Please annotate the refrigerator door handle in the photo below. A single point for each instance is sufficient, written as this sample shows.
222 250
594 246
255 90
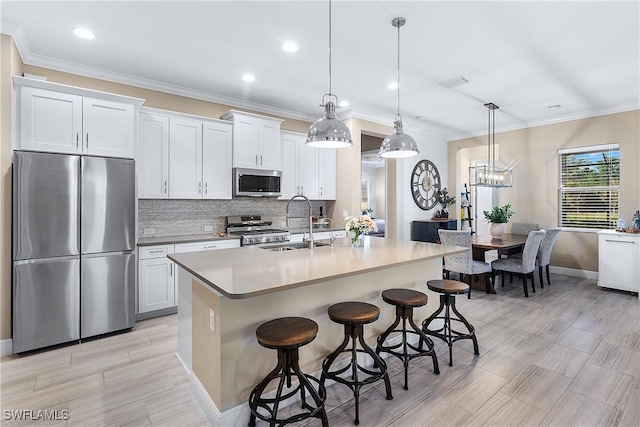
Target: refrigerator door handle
104 254
77 139
45 260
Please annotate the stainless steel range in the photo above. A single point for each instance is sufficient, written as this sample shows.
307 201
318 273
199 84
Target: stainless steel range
255 229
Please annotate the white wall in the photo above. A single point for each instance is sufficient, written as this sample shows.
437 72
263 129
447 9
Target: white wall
435 150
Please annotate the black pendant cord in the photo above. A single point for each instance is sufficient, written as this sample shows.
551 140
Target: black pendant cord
330 93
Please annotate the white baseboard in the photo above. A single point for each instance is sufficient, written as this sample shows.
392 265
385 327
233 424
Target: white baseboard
574 272
204 401
6 347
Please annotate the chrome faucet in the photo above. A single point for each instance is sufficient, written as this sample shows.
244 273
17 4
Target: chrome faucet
310 240
333 237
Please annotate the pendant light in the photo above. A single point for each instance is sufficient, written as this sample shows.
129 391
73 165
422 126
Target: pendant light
398 144
490 175
329 131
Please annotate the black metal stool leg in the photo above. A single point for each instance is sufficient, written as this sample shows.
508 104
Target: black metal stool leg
470 328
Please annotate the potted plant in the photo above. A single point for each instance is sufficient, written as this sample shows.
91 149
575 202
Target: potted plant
445 200
498 216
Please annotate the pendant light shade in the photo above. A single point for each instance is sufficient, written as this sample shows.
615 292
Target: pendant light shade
490 175
329 131
398 144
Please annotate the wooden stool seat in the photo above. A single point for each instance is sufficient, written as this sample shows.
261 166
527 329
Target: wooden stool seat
404 297
287 332
448 290
287 335
353 312
448 286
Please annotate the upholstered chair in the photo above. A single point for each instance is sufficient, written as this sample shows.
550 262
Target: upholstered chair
523 228
523 266
463 263
544 253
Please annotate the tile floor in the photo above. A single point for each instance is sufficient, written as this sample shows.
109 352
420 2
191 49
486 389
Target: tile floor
568 355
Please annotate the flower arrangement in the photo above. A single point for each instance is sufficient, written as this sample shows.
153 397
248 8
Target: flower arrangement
499 215
359 225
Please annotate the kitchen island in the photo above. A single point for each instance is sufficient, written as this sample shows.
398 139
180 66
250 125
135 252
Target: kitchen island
244 287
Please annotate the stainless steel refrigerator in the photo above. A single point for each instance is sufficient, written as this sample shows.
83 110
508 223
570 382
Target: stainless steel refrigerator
73 243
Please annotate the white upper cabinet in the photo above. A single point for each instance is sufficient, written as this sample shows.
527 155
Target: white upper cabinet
256 140
327 174
306 170
217 146
185 164
66 121
183 157
50 121
152 161
299 167
108 128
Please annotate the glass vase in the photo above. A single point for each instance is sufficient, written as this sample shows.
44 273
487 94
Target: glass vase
357 239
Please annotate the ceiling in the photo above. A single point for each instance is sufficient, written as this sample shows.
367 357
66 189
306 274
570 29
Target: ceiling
522 56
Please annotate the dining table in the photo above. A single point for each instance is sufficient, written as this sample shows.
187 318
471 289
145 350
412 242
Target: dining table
507 244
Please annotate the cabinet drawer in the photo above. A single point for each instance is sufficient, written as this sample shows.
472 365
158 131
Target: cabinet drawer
207 246
159 251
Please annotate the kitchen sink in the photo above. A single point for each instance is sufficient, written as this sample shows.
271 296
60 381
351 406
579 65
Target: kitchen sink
290 246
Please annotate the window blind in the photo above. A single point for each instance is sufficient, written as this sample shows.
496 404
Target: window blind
589 186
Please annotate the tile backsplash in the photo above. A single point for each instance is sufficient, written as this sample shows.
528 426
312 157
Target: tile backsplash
163 217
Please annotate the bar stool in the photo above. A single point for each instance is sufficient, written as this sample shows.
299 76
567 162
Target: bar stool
405 300
286 335
354 315
448 289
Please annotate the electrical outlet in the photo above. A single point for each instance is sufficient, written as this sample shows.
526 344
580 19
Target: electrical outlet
212 320
208 228
149 231
283 223
345 214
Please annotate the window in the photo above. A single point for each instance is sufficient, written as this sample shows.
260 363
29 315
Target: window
589 186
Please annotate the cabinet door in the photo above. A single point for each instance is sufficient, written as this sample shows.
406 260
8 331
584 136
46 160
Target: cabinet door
185 167
269 155
156 288
308 169
246 133
216 160
618 257
108 128
289 184
327 173
50 121
152 163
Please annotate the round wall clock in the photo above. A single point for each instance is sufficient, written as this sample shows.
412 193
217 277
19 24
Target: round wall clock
425 184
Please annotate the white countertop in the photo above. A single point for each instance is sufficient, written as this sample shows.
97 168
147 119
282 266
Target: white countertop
250 271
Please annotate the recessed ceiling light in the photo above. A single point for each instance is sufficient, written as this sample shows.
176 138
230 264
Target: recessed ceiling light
84 33
344 103
290 47
247 77
392 85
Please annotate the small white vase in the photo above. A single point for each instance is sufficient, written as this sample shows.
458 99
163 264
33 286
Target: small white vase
496 230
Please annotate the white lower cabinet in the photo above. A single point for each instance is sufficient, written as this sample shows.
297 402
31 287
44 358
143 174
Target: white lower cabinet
619 260
157 278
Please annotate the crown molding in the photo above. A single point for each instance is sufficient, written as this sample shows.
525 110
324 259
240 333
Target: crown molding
70 67
554 120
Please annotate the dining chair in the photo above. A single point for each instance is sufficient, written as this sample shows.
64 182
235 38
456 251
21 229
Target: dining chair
543 259
524 266
463 263
523 227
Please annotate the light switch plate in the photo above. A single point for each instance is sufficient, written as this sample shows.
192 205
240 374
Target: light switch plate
208 228
212 320
149 231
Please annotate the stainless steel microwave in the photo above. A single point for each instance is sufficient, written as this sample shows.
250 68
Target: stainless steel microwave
256 182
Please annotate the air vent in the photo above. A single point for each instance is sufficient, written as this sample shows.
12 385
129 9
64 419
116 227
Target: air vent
455 82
